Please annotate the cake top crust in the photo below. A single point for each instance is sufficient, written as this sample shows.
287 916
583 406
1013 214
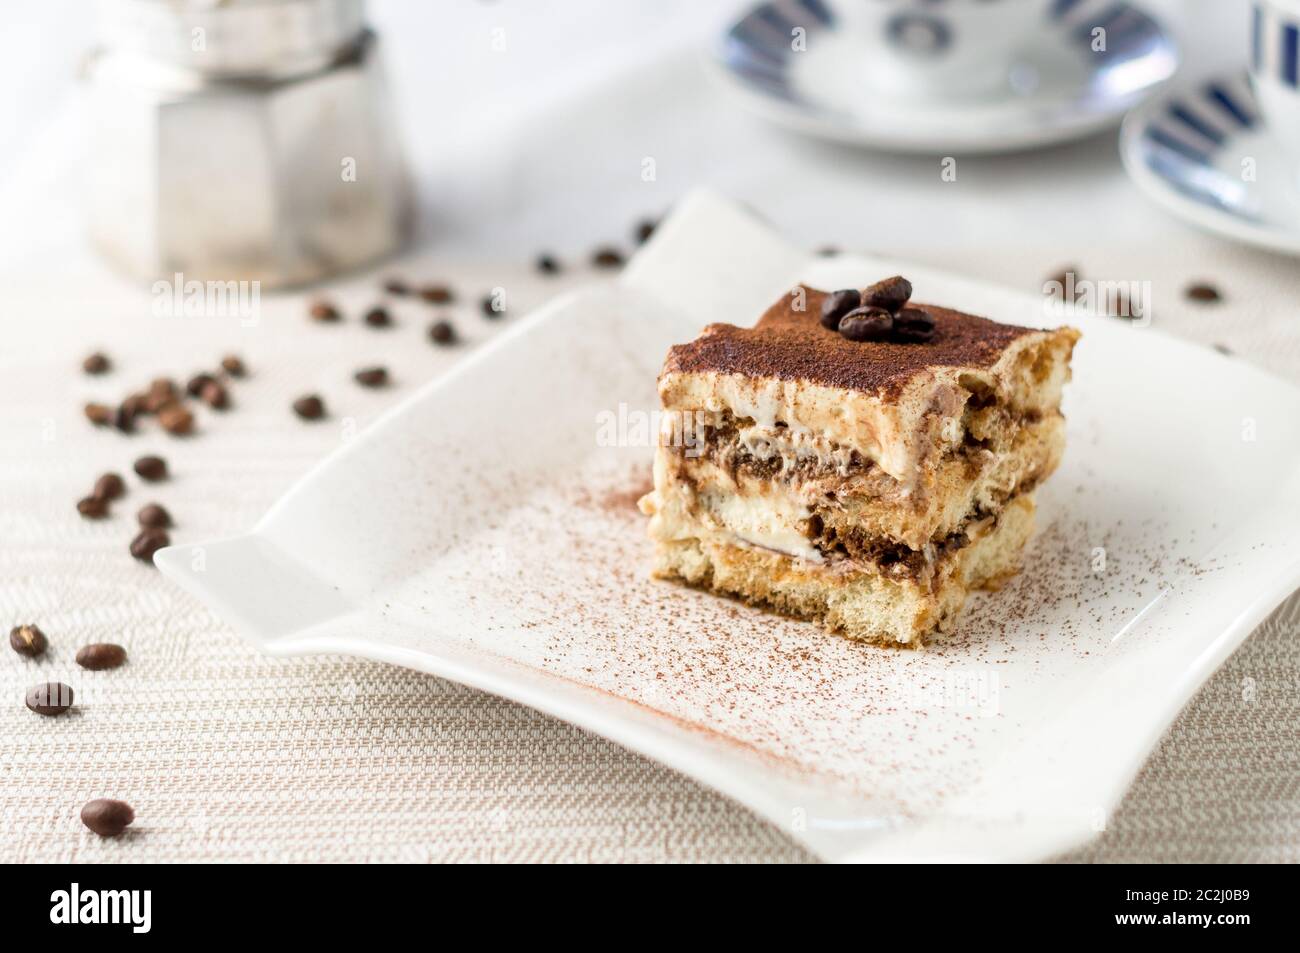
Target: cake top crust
790 344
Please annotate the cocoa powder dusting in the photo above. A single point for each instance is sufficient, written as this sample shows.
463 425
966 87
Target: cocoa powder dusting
791 344
560 581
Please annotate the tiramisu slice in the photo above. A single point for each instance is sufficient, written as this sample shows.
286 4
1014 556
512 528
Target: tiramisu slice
856 460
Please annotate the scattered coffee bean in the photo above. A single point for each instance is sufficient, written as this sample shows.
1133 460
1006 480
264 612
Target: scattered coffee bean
93 507
233 365
28 640
151 468
194 386
1061 285
49 698
124 417
437 294
548 265
215 395
1204 292
644 229
107 817
153 514
867 324
890 294
309 407
396 286
176 419
442 332
100 655
324 312
913 325
837 304
607 257
99 414
110 487
137 403
372 377
489 304
96 363
378 317
156 401
148 541
161 393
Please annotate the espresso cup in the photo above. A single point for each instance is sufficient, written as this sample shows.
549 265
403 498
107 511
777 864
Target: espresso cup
958 47
1275 71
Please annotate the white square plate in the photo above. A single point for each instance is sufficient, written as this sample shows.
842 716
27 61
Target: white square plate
485 530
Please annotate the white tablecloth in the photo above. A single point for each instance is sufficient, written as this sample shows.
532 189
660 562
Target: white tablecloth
229 755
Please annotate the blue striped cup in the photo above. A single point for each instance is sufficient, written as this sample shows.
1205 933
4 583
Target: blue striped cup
1275 69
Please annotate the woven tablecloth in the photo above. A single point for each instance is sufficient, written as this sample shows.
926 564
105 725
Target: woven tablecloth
228 755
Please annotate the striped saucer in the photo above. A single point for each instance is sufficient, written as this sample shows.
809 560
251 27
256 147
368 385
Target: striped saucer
1205 154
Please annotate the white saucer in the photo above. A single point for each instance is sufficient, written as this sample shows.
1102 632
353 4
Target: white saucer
1057 90
1186 150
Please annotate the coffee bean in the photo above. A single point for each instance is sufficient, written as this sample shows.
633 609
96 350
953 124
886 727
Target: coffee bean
49 698
378 317
194 386
233 366
147 542
96 363
837 304
309 407
161 393
371 377
176 419
153 514
137 404
324 312
28 640
890 294
164 386
547 265
489 304
396 286
100 655
607 257
151 468
124 417
107 817
110 487
1062 283
215 395
99 414
437 294
442 332
93 507
1205 293
913 325
644 229
867 324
